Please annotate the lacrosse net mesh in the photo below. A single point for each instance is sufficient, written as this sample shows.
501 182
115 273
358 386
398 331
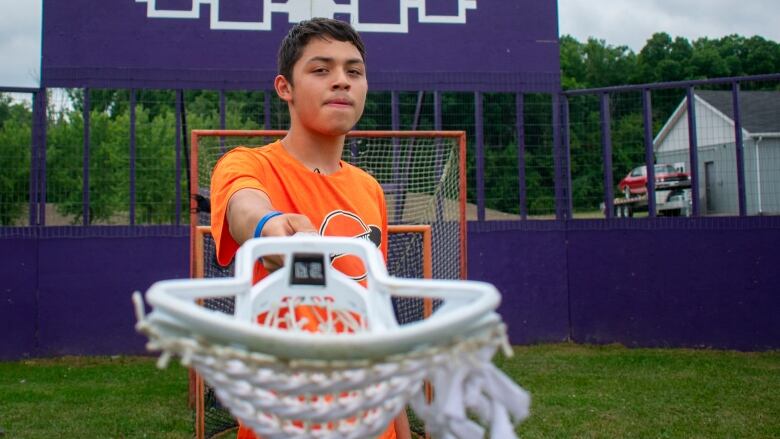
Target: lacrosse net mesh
408 258
321 399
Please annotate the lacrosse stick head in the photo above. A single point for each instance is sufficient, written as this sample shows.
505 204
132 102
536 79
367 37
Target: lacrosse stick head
309 352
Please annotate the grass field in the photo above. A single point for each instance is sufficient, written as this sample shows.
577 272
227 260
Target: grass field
578 392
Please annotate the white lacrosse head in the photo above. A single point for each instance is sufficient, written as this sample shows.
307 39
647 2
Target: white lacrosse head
309 352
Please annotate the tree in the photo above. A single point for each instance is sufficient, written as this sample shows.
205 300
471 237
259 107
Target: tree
15 153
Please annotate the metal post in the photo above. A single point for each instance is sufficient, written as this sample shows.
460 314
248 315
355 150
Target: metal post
85 162
222 121
693 150
557 156
647 108
567 200
437 125
267 109
739 144
179 100
42 124
37 196
606 155
480 149
395 122
520 126
437 111
400 190
132 155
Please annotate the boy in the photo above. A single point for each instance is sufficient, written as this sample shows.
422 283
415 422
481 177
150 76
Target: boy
300 184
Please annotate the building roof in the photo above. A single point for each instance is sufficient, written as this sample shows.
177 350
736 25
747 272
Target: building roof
759 110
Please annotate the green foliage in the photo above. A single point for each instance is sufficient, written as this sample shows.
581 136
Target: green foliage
589 64
15 153
595 64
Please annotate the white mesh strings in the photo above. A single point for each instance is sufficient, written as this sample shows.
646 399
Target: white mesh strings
282 384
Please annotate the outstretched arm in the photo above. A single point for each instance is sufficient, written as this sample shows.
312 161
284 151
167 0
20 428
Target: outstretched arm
245 209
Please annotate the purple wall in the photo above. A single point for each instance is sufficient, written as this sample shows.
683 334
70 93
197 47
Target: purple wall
502 45
70 295
681 282
678 282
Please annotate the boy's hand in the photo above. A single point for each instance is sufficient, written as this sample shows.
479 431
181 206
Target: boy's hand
284 225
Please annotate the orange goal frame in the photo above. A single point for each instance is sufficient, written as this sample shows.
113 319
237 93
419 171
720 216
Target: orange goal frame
460 136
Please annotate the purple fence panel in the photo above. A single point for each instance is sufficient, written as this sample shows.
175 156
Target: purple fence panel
88 311
527 262
674 282
18 297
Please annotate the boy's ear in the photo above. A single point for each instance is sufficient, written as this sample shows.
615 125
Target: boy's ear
283 88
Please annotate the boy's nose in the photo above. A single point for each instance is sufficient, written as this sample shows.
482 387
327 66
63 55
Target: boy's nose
341 81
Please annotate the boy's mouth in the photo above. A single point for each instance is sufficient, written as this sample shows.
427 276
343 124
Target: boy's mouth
340 102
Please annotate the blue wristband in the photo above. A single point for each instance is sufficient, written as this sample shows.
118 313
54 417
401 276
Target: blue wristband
263 220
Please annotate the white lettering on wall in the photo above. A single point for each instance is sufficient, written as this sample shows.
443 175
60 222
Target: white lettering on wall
298 10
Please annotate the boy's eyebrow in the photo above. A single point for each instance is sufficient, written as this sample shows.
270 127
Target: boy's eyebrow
329 59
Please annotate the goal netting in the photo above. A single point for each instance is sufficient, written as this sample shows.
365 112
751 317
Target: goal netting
423 177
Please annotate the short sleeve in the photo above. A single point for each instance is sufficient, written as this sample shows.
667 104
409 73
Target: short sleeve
236 170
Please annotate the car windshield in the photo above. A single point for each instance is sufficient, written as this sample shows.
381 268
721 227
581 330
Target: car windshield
665 169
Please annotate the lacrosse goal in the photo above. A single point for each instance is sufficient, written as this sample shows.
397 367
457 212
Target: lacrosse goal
423 175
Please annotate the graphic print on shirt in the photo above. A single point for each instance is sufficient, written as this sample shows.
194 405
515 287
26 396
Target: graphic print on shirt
343 223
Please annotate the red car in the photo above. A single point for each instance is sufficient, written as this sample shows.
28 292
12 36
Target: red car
666 176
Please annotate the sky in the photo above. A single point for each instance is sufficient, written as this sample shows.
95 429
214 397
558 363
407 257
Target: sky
618 22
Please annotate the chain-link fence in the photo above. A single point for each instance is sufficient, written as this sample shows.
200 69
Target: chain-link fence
127 165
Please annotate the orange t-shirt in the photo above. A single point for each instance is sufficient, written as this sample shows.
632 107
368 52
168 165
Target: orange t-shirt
347 203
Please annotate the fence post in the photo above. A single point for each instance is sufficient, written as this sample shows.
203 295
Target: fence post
647 108
520 126
179 101
85 163
606 154
222 118
560 157
568 203
37 195
480 150
132 155
693 148
739 144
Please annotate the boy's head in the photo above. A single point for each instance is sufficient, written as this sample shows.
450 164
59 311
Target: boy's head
292 46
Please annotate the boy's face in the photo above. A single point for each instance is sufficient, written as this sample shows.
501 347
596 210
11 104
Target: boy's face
330 86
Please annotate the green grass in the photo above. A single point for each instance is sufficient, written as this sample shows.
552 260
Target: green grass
615 392
578 392
93 397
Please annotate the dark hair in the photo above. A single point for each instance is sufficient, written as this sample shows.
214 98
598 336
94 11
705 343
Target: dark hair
299 36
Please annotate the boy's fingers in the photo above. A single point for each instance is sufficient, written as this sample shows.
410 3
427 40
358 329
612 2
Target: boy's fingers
284 225
272 262
287 225
300 224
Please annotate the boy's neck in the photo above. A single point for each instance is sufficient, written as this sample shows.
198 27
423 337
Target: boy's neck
320 153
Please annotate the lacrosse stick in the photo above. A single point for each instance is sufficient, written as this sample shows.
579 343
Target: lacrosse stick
310 353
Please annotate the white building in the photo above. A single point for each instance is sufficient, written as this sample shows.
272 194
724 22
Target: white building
760 117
